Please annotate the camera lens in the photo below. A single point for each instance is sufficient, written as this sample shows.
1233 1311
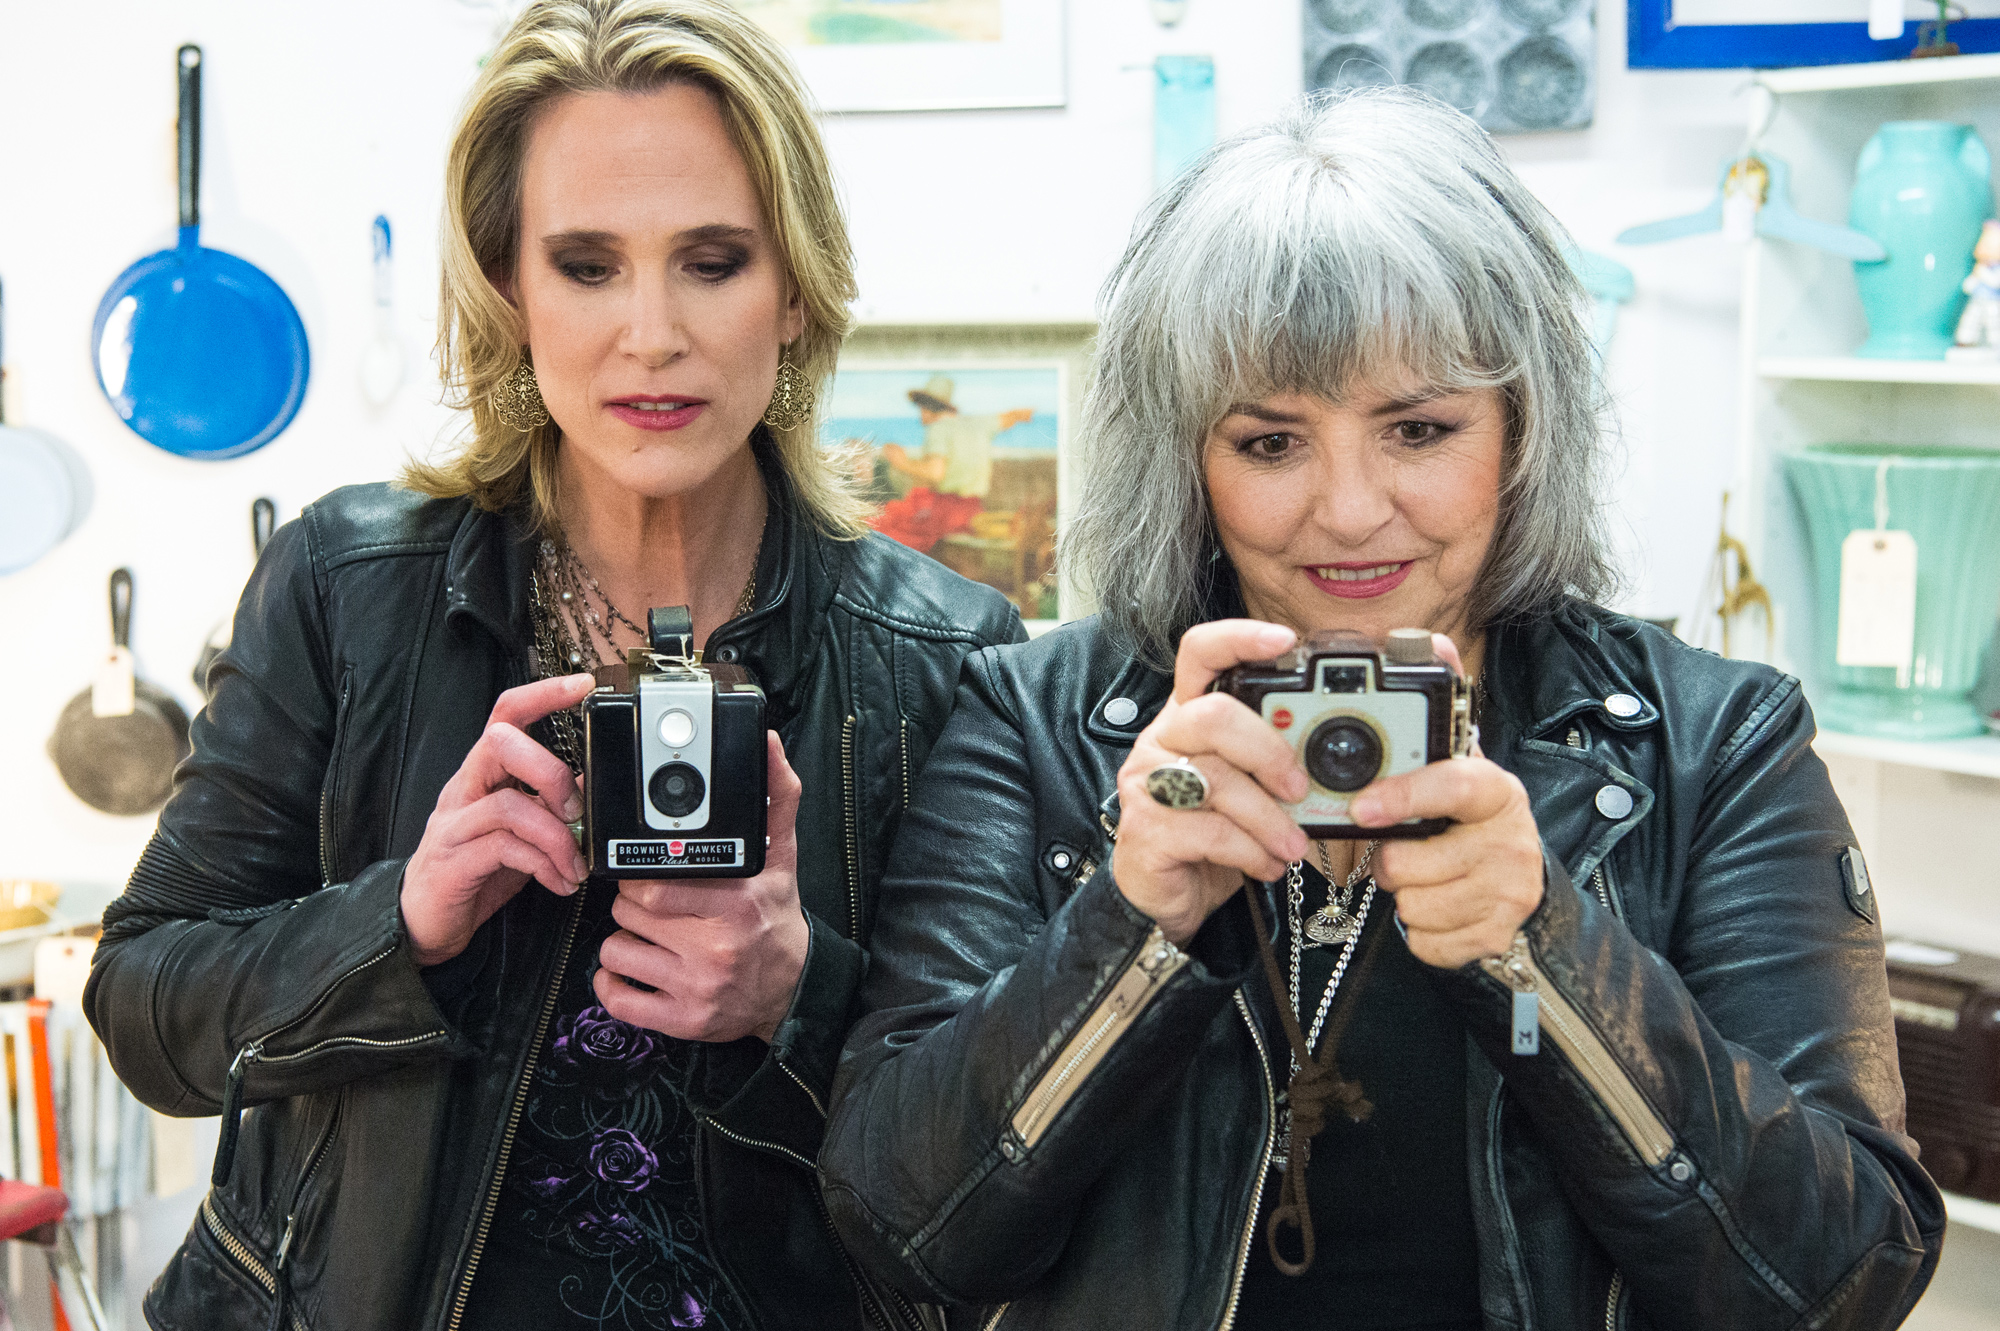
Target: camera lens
1343 753
676 790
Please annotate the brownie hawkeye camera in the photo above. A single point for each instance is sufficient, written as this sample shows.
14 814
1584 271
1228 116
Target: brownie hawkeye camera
675 759
1356 714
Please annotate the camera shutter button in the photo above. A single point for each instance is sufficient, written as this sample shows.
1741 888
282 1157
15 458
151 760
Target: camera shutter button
676 729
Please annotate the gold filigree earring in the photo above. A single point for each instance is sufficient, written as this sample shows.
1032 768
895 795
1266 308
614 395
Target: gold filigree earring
791 397
517 399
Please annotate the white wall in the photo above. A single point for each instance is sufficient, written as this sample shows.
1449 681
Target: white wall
319 116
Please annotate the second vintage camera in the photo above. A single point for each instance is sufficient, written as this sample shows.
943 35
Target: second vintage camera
674 755
1356 715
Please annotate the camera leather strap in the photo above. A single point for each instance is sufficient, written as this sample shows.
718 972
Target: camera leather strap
1316 1085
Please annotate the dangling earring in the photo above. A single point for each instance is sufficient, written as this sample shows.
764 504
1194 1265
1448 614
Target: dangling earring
791 397
517 399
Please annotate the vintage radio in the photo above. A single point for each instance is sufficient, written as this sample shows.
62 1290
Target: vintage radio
1947 1006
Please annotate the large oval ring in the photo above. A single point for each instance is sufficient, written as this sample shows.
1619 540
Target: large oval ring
1178 785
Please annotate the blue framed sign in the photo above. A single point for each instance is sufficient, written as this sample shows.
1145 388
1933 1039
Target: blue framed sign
1655 41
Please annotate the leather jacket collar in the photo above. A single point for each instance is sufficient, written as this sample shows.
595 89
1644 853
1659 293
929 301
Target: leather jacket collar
492 556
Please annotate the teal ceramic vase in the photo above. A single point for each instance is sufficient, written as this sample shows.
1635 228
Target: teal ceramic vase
1922 188
1948 499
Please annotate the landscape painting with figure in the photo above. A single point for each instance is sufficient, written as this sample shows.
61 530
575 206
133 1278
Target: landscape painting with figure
962 462
847 22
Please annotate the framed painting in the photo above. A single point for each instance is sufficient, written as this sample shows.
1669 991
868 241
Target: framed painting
921 55
961 436
1774 34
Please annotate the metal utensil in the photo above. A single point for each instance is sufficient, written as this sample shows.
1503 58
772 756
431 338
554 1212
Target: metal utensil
117 742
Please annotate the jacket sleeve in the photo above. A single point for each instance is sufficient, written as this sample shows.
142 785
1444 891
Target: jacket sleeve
977 987
225 939
1733 1138
779 1093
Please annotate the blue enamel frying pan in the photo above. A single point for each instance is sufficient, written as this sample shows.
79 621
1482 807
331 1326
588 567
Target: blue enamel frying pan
197 350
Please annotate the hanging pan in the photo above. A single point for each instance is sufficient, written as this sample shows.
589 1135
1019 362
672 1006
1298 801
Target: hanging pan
263 521
42 494
118 742
197 350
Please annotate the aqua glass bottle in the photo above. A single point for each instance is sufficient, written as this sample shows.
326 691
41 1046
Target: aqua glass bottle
1922 187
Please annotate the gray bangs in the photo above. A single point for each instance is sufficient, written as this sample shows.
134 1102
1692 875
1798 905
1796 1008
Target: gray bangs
1363 235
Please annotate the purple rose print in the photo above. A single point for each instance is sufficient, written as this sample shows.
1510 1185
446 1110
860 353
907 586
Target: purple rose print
608 1233
620 1158
689 1313
544 1180
594 1040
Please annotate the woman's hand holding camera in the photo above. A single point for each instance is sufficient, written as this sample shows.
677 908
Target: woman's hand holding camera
1178 865
724 955
501 820
1463 893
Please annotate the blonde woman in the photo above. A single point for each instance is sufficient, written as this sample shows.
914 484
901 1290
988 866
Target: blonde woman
363 920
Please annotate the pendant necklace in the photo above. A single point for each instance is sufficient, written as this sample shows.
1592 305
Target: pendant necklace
1336 922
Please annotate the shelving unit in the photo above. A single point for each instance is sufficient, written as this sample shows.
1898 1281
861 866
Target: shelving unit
1927 815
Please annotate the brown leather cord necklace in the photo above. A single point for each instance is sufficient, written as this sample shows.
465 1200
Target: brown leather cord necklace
1315 1084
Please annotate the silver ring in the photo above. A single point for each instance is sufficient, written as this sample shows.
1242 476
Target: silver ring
1178 785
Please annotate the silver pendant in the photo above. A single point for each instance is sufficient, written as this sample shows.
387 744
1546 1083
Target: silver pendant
1330 926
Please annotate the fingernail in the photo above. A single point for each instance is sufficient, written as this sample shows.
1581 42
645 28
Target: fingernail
579 870
572 808
1275 638
1298 786
1366 810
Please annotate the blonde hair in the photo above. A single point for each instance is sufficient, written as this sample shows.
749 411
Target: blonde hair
560 47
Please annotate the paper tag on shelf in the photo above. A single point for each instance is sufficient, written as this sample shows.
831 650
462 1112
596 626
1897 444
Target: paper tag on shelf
1885 20
1878 599
111 691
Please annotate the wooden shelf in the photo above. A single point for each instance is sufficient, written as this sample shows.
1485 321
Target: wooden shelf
1855 369
1882 74
1973 1212
1973 757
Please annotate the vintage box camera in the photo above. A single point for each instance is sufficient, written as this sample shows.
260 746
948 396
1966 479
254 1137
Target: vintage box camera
673 753
1947 1007
1355 715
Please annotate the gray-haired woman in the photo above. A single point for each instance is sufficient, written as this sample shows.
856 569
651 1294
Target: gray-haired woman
1612 1050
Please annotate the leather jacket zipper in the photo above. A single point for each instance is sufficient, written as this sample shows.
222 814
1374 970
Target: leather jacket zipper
1611 1300
1517 969
240 1253
1263 1168
849 817
326 786
486 1209
1603 889
904 750
253 1052
1145 975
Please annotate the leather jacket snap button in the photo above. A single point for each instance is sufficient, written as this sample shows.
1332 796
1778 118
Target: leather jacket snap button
1121 712
1614 801
1623 705
1680 1171
726 655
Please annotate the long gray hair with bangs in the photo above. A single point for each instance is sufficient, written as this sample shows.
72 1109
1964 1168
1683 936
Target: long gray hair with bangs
1361 232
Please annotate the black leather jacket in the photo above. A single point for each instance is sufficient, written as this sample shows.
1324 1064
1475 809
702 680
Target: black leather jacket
262 922
1047 1106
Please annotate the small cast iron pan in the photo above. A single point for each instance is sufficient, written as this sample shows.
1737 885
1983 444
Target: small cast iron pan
124 762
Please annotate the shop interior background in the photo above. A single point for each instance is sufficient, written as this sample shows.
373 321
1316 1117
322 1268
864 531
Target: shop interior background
320 116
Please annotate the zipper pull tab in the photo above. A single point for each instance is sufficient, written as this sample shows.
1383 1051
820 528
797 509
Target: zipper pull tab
232 1113
1527 1022
281 1293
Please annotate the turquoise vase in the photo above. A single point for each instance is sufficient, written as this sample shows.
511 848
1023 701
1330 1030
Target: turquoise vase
1922 188
1948 499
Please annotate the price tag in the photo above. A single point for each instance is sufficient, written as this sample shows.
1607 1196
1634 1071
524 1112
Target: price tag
1878 599
111 692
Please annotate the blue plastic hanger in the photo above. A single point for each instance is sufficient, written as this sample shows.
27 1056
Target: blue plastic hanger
1610 285
1776 217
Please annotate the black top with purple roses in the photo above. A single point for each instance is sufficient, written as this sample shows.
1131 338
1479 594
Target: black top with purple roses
598 1223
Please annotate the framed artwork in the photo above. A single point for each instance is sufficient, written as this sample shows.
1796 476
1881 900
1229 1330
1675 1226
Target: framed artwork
1515 66
921 55
1773 34
962 437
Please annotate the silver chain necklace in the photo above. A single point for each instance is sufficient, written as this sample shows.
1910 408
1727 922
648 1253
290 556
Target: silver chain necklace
1342 924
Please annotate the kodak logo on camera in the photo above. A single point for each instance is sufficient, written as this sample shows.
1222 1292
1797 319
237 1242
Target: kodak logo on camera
717 853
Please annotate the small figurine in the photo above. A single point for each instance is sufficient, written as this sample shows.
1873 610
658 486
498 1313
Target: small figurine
1979 327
